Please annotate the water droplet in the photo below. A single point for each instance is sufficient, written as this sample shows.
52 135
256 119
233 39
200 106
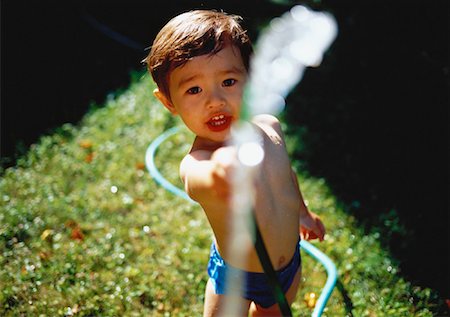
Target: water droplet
68 311
251 154
127 199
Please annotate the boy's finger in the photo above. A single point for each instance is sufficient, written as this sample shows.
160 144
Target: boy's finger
321 228
318 234
312 235
314 231
304 235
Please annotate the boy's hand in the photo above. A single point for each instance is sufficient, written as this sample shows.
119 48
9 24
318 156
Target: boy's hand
311 227
225 160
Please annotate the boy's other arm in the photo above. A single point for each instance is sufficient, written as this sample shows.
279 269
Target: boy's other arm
311 227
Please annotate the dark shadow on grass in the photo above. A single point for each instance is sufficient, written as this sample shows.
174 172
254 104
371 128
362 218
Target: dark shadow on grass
373 122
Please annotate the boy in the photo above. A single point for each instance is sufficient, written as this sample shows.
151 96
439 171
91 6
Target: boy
200 62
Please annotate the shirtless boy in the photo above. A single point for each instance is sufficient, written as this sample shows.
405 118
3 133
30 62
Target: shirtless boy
200 63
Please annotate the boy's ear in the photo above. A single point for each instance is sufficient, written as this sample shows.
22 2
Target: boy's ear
165 101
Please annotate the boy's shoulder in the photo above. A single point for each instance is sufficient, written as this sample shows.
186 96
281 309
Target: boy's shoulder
268 122
190 160
199 152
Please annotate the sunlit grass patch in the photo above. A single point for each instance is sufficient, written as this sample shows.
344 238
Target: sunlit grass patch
85 231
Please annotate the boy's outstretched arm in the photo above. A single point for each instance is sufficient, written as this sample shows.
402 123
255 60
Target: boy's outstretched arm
206 175
311 227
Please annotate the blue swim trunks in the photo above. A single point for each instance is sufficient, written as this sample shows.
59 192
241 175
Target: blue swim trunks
256 285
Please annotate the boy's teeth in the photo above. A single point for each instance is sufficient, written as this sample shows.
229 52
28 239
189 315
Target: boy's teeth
218 117
218 120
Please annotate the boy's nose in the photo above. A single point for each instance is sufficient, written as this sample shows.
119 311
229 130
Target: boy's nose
215 99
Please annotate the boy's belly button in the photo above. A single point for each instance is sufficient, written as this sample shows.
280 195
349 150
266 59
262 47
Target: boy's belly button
281 261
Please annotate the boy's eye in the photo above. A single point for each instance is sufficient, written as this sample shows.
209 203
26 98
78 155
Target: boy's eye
229 82
194 90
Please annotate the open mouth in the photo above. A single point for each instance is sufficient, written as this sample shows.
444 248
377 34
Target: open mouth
219 122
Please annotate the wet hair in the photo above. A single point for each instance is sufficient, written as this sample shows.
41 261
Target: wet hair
192 34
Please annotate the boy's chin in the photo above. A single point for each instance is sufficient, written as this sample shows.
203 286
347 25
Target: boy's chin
217 138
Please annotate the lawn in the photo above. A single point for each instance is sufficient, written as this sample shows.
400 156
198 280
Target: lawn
85 231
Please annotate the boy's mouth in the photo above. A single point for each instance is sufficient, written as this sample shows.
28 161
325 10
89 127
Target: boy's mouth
219 122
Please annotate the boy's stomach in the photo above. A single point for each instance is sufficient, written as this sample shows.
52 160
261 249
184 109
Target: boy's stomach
279 230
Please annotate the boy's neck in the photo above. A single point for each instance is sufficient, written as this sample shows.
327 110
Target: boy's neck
206 145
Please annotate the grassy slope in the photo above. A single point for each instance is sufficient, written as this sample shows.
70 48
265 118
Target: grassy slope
85 231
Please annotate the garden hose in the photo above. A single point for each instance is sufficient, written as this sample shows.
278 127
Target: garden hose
267 266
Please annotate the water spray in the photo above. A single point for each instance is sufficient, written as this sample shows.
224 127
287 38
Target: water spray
291 43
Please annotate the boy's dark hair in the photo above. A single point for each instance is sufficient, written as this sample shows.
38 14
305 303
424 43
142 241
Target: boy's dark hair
192 34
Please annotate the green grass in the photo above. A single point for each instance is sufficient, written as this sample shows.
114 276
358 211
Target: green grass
85 231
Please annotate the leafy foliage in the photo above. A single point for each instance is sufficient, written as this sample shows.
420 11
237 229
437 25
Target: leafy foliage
86 232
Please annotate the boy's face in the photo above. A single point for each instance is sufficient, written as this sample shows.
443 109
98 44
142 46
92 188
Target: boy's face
207 93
